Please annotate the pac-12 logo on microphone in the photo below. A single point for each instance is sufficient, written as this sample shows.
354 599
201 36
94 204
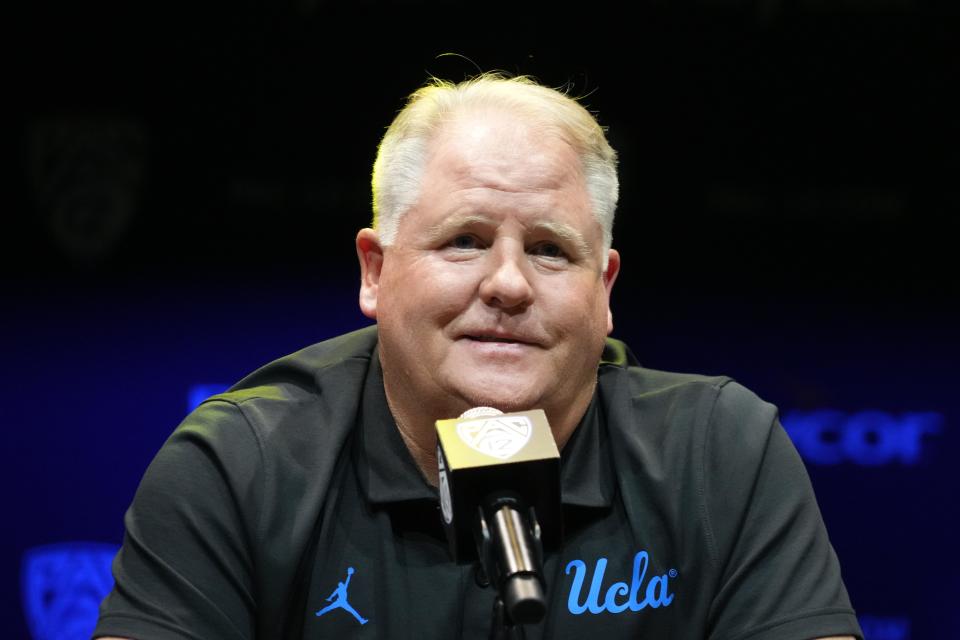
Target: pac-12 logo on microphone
497 436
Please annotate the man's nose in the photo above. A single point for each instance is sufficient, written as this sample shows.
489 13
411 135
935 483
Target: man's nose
507 283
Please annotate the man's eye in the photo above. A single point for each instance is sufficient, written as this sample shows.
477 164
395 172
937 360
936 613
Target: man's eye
464 242
548 250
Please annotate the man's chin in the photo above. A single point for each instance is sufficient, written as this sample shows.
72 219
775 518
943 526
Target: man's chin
503 397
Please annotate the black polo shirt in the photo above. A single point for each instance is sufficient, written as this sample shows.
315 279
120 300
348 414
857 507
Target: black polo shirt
385 523
291 508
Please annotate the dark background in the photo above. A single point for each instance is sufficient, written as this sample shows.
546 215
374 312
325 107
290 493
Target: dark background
186 184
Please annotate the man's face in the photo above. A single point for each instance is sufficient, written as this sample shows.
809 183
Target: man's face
493 292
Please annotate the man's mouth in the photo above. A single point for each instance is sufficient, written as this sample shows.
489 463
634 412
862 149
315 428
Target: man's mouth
493 337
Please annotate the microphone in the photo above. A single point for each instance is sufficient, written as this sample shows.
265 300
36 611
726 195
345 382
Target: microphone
500 500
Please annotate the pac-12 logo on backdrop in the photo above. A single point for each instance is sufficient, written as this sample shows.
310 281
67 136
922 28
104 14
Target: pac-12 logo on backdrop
63 585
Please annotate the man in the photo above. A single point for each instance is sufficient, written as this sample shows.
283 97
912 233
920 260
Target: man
488 270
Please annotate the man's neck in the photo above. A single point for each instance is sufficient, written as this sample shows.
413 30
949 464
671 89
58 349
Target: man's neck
420 438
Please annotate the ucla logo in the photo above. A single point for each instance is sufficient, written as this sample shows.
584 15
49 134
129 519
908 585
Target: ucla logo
619 596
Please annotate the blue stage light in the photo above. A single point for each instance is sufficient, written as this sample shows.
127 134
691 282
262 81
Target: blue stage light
200 392
884 627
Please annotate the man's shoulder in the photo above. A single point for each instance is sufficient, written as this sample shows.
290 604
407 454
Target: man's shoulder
678 398
619 360
317 389
334 365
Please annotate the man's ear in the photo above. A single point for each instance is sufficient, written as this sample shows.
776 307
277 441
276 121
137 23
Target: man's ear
609 277
370 254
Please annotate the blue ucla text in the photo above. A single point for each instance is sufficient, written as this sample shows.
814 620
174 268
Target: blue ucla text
619 596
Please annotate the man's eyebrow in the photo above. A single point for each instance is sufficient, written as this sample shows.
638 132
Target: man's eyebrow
567 233
445 227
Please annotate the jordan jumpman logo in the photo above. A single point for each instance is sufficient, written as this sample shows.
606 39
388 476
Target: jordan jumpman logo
338 599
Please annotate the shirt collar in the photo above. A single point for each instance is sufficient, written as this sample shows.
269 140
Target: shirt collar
388 473
386 470
587 476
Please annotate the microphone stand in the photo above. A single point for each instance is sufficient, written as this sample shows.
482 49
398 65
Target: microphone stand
511 553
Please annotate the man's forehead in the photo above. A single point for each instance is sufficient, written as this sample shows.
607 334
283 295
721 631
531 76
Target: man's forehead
513 137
